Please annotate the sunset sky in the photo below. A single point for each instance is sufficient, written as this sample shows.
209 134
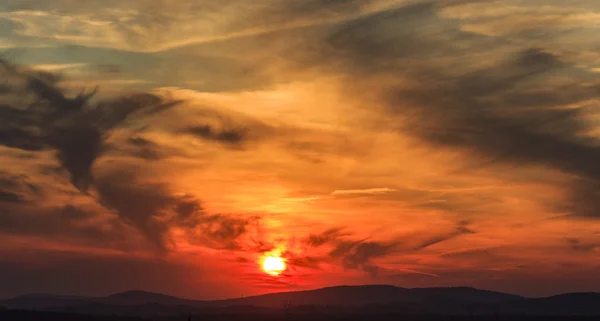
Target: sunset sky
413 143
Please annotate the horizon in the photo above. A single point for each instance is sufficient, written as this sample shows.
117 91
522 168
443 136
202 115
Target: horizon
209 150
285 291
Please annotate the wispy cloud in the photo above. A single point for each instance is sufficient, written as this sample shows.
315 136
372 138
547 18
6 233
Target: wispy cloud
367 191
58 67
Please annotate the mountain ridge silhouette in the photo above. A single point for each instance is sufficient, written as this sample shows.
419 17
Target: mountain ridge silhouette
364 298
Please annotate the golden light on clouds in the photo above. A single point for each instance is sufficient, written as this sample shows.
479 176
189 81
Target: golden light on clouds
417 143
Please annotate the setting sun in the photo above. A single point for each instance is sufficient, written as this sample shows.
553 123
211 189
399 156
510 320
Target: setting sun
388 151
273 265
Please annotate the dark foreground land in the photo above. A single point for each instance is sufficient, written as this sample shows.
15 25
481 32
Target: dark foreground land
371 302
15 315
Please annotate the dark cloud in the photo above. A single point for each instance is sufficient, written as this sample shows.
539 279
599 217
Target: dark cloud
78 148
347 251
306 262
74 127
360 255
397 38
17 188
460 229
220 231
18 138
77 129
226 136
154 209
512 110
518 109
582 246
10 197
230 129
213 230
489 113
144 206
584 198
388 35
258 244
333 234
110 69
140 146
144 148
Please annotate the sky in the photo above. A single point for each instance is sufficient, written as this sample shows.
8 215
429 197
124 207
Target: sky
170 147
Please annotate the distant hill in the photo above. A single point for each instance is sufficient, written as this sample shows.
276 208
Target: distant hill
44 296
343 299
368 294
42 301
143 297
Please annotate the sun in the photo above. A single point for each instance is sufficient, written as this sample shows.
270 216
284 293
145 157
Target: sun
273 265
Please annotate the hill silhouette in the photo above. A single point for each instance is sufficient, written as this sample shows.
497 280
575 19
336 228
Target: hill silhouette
142 297
367 299
367 294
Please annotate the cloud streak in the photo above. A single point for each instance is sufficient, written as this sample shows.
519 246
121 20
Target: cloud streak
367 191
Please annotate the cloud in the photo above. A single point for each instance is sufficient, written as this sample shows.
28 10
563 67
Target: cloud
461 229
486 113
77 130
143 206
154 209
72 127
16 188
145 148
10 197
333 234
225 136
58 67
221 231
377 101
367 191
154 27
360 255
347 251
520 109
579 246
582 197
75 28
524 20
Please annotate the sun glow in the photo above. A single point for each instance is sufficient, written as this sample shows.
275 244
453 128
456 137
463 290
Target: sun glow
273 265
